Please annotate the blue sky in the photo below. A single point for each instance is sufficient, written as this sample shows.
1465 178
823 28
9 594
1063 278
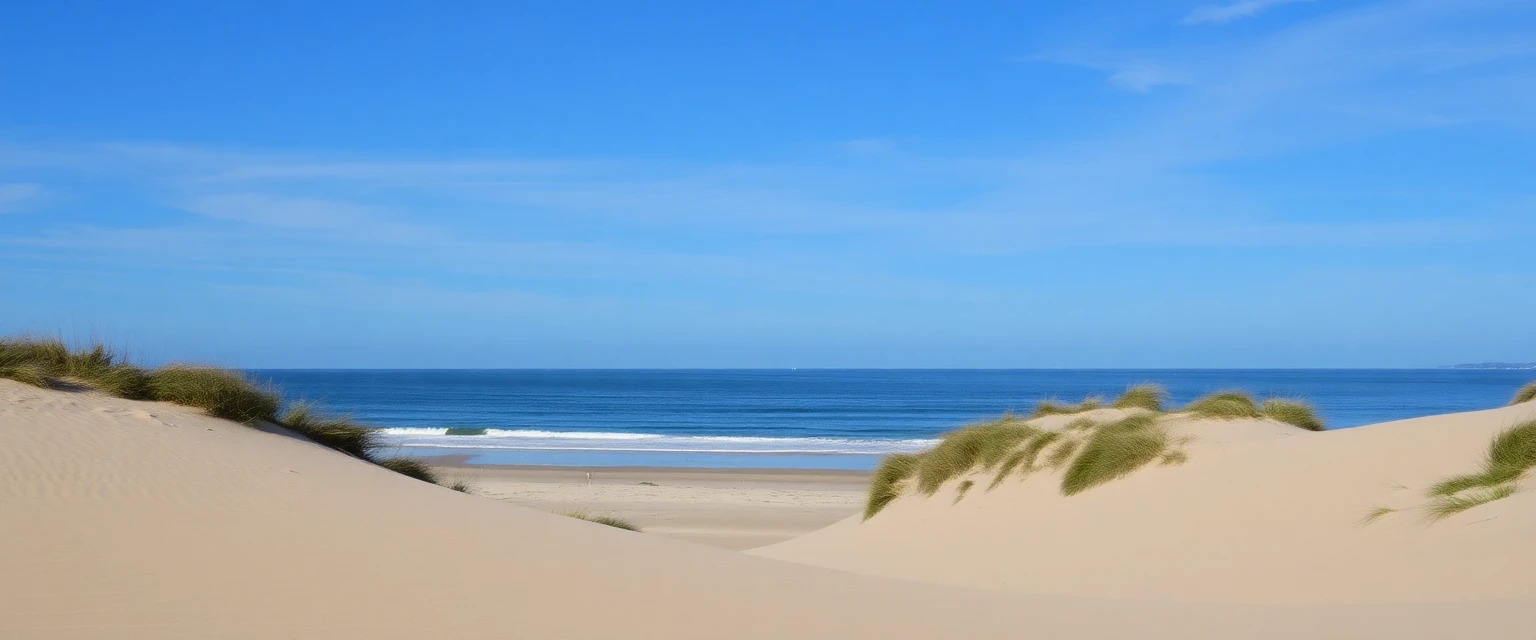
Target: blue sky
1247 183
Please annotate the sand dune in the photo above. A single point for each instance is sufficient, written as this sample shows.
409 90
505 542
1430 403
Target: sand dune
124 519
1260 513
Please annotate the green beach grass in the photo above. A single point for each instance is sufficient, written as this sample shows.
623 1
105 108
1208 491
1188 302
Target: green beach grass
1141 396
982 445
889 481
1224 405
1511 454
1526 393
1052 407
612 521
1114 451
1292 412
1234 405
409 467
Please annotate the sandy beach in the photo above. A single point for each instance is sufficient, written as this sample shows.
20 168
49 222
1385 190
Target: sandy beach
728 508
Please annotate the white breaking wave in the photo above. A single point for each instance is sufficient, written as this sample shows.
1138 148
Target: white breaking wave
539 440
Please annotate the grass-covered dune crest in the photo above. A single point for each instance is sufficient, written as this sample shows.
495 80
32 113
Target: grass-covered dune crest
1236 405
1090 443
1526 393
222 393
1172 506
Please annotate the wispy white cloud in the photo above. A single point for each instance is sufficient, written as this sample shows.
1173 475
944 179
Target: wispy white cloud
1129 71
1223 13
868 146
15 197
1143 77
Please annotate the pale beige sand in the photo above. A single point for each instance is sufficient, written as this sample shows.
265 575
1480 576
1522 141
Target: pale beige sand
124 519
727 508
1260 513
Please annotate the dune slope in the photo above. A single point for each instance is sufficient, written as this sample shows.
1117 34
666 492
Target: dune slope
125 519
1259 513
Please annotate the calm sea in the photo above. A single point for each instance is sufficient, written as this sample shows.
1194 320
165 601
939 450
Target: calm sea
831 419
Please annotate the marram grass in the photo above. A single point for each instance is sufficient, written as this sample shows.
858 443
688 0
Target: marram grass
44 362
1511 454
1447 506
612 521
982 445
889 481
1224 405
1292 412
1051 407
338 433
1062 454
1526 393
1115 451
222 393
1141 396
410 467
27 373
963 488
1376 513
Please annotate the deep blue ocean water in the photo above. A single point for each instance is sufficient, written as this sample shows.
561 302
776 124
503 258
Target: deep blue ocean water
803 418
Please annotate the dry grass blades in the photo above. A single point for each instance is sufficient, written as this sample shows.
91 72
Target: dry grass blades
889 481
1141 396
1114 451
1510 456
982 445
1526 393
612 521
1235 405
1051 407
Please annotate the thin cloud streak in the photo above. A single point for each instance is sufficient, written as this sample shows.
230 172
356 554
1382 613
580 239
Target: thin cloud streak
1224 13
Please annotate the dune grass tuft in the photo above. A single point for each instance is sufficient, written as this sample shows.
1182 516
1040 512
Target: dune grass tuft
44 362
48 355
962 488
1292 412
410 467
1447 506
27 373
1511 454
1115 451
1376 513
1051 407
1174 458
338 433
612 521
1526 393
462 486
1141 396
1062 454
222 393
960 451
1024 459
889 481
1081 424
1224 405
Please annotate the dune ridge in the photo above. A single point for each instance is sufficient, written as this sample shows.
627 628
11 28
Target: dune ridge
133 519
1253 511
